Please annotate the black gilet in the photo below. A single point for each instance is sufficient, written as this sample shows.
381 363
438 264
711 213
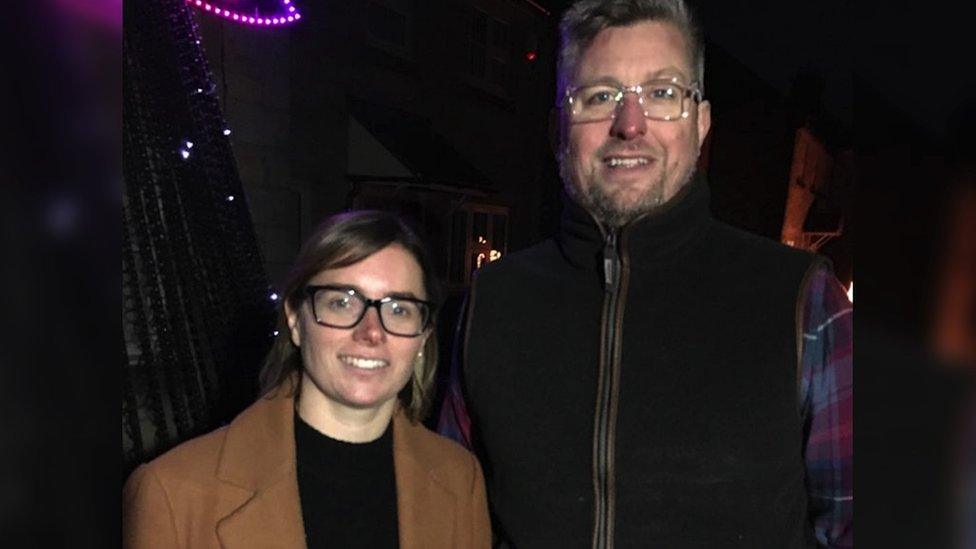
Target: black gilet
348 491
663 416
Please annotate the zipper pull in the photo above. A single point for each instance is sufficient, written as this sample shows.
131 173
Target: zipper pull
611 271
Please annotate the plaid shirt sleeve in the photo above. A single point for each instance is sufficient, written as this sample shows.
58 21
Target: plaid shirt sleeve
827 403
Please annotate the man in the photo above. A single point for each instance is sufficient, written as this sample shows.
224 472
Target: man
651 377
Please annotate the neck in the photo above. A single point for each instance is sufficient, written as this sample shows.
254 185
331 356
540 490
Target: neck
339 421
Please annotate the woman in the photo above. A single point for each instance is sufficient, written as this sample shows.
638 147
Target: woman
332 454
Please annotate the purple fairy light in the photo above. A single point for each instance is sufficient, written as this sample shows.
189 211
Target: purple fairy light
289 15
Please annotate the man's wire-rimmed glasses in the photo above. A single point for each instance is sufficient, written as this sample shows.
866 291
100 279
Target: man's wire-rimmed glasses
664 99
343 307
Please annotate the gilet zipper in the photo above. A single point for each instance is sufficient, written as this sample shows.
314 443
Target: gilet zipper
603 429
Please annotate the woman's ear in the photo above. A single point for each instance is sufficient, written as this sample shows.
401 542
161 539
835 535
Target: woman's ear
292 316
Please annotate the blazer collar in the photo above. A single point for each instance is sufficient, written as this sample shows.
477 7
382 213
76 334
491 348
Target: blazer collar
257 466
425 506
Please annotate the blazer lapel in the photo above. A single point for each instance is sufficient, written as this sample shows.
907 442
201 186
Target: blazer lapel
257 466
271 518
425 508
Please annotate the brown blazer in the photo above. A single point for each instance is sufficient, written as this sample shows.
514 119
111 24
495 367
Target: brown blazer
237 487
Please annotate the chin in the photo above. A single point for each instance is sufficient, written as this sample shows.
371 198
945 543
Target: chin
359 399
366 400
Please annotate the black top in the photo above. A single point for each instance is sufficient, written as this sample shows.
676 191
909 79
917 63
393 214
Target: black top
347 490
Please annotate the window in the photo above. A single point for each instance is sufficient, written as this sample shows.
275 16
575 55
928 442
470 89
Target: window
479 235
389 25
489 53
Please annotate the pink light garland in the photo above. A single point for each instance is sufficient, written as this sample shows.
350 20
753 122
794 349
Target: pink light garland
290 16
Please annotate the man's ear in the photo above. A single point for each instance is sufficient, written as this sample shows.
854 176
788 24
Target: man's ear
555 130
704 121
291 316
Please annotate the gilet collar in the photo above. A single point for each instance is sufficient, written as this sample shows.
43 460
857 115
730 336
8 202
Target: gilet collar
653 237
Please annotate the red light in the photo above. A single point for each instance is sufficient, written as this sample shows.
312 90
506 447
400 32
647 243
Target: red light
530 56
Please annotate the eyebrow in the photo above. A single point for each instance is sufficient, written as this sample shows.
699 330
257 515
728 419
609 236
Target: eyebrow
358 290
655 75
404 295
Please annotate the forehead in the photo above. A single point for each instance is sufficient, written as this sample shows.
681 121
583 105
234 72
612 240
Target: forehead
635 53
390 270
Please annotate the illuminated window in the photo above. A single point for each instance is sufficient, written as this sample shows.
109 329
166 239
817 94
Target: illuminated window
479 235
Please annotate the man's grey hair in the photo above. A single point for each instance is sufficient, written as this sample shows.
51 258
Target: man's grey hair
585 19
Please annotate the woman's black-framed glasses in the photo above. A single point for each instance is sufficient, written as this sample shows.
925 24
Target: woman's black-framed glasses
343 307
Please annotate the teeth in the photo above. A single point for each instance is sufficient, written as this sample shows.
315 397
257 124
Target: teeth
364 363
627 162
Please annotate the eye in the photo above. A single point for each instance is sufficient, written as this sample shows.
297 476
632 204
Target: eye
339 303
598 96
402 310
662 93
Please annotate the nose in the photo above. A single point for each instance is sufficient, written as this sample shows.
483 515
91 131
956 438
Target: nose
629 121
369 330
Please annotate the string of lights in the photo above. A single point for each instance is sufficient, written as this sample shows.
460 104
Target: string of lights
197 309
289 13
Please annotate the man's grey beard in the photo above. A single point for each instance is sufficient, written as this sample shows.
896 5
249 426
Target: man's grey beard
601 206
